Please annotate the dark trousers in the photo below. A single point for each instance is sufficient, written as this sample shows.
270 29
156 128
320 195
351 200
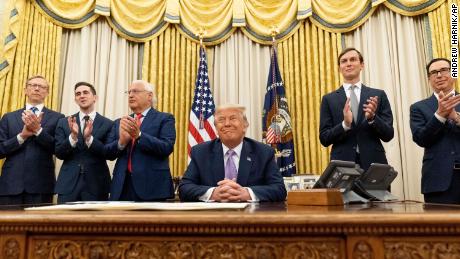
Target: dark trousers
80 193
449 196
358 159
26 199
129 193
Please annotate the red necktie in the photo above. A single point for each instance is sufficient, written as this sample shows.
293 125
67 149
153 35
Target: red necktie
133 142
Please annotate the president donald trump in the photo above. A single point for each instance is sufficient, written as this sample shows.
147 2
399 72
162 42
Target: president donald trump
232 168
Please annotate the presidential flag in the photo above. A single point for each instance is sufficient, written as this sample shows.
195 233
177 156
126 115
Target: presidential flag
201 125
276 121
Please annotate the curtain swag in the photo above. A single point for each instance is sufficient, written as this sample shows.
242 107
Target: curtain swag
143 20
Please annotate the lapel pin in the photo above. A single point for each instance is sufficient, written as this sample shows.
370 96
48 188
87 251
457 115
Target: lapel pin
249 159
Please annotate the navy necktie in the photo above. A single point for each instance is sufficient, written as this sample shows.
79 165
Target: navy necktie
34 109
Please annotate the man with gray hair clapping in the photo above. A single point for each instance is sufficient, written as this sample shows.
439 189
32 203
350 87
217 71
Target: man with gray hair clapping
142 143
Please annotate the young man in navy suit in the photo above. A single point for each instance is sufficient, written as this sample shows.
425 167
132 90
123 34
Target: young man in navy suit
27 143
80 140
435 125
142 143
354 119
232 168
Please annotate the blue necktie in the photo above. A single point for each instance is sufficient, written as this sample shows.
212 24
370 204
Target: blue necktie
34 109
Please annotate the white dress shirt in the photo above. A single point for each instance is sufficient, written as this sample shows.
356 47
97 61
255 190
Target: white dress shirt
357 90
81 115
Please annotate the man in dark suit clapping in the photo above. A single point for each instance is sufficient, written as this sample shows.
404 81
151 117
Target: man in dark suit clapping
80 140
354 119
142 143
435 125
27 143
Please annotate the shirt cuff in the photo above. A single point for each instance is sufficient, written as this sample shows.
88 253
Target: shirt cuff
38 132
440 118
89 141
207 195
120 146
20 139
253 195
371 122
73 143
345 127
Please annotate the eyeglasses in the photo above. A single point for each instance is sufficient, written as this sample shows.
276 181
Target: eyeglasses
134 91
443 71
43 87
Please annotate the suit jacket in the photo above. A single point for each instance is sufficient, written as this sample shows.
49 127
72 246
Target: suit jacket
151 175
367 136
91 162
257 169
441 142
28 167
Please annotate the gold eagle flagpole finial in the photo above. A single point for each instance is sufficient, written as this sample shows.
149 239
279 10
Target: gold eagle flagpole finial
273 32
201 33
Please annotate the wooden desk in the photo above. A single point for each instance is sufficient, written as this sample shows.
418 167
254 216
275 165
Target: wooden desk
263 231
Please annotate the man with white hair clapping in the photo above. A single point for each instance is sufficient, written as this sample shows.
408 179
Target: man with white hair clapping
142 143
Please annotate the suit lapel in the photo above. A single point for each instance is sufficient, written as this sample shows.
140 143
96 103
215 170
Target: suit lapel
217 161
432 103
18 116
77 119
96 123
342 97
148 119
362 100
45 116
244 167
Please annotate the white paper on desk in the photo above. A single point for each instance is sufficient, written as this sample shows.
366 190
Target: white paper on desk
143 206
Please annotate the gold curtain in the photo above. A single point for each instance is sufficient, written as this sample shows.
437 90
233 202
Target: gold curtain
413 7
170 63
137 19
439 20
263 17
308 65
37 53
71 10
11 28
352 14
143 20
212 16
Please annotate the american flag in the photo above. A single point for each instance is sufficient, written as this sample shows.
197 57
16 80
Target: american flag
201 125
276 120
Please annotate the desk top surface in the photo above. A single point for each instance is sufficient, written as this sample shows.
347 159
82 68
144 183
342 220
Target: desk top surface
263 213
